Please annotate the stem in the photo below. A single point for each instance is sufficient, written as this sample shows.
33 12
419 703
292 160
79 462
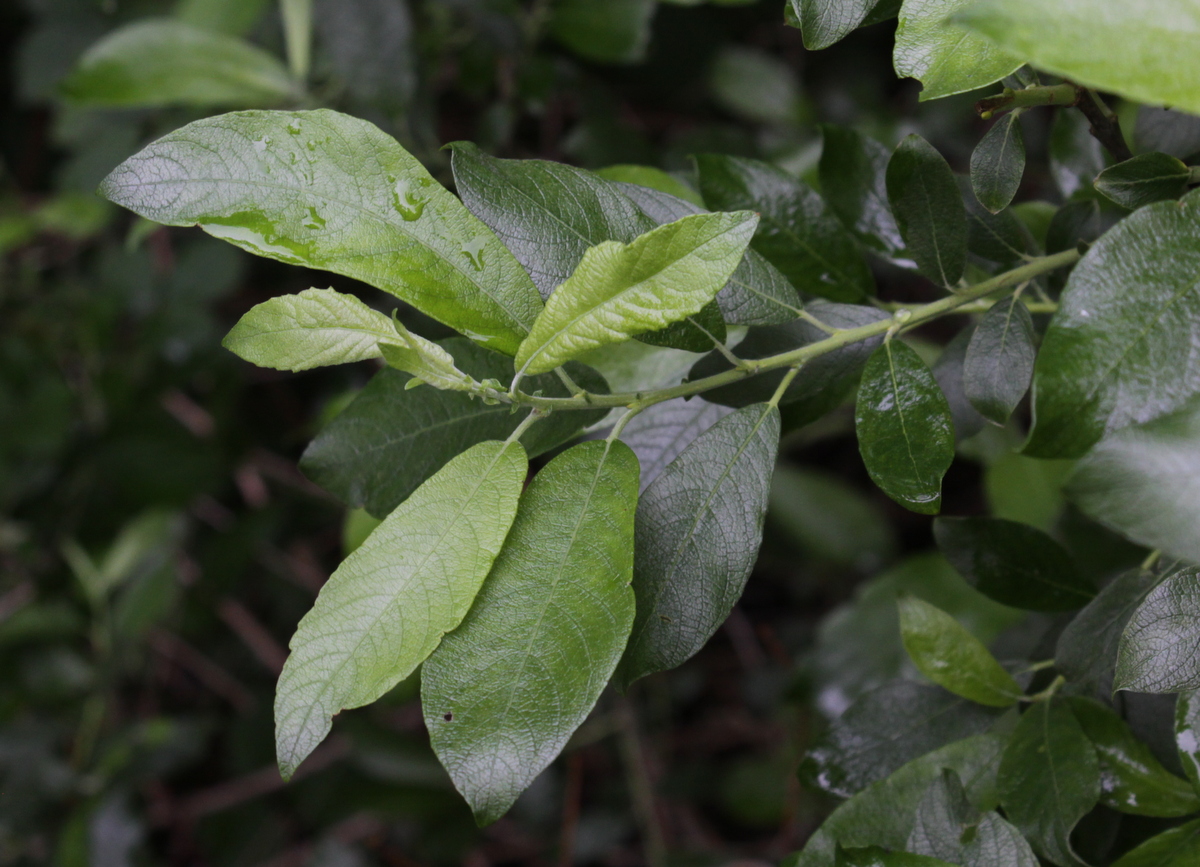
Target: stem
1194 174
984 305
1105 127
1058 94
1047 693
566 380
783 385
1151 560
524 426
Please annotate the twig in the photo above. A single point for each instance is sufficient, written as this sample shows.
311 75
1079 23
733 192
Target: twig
1105 126
641 786
1009 99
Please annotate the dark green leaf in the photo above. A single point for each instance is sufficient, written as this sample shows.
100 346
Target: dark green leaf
1049 778
1013 563
1131 779
1076 156
1001 238
874 856
1163 129
945 58
830 519
1187 734
948 373
504 691
370 45
824 22
392 438
797 232
1000 358
998 163
929 210
695 334
1129 315
328 191
1158 646
1177 847
659 434
905 432
886 728
699 526
1143 180
853 171
616 31
654 179
947 826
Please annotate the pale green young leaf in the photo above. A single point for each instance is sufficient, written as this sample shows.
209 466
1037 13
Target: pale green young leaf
998 366
998 163
328 191
504 691
388 605
620 290
1143 180
1144 50
945 57
1175 847
424 359
1158 646
314 328
945 652
698 530
159 62
929 210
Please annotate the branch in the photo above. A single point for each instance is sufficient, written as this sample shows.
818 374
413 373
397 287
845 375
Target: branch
1008 99
1105 127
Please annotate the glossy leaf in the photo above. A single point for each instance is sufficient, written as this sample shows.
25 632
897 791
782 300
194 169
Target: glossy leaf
1129 314
824 22
929 210
698 530
1049 778
947 826
853 171
504 691
1141 50
1187 734
616 31
797 232
660 433
393 437
1158 646
1175 847
1143 180
948 374
388 605
1132 780
874 856
328 191
698 333
952 657
998 162
655 179
905 432
999 363
944 57
163 62
1013 563
619 290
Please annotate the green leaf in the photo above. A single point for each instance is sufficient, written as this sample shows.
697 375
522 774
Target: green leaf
1176 847
1000 357
948 373
370 45
698 529
830 519
1049 778
929 210
905 432
798 233
824 22
1143 180
222 16
160 62
998 162
874 856
660 433
1187 734
947 826
1076 156
504 691
944 57
697 333
1013 563
885 729
853 172
952 657
1143 50
388 605
616 31
1130 312
327 191
883 814
1158 646
424 359
655 179
1162 129
315 328
1132 780
393 437
755 86
619 290
1143 481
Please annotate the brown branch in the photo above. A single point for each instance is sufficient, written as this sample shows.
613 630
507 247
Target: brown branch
1104 124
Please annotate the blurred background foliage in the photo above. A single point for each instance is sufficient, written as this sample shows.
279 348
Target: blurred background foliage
158 544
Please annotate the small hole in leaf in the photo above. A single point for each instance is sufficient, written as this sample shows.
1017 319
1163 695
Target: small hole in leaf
448 717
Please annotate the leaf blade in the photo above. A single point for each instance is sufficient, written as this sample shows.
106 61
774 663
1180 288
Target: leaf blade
1157 651
944 57
929 210
1000 358
998 162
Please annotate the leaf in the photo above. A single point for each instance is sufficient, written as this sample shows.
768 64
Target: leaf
1013 563
1001 238
504 691
874 856
388 605
1132 780
1076 156
328 191
425 360
948 373
655 179
853 172
699 333
620 290
798 234
370 45
905 432
393 437
1000 357
1142 50
1175 847
1162 129
1130 312
1187 734
952 657
159 62
998 162
1049 778
830 519
1143 180
660 433
222 16
944 57
315 328
1158 646
616 31
948 827
824 22
698 529
885 729
929 210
